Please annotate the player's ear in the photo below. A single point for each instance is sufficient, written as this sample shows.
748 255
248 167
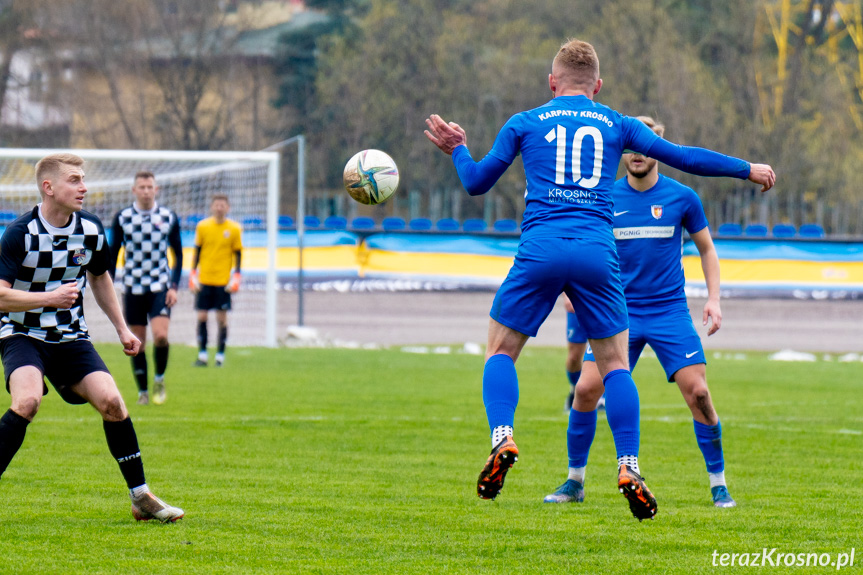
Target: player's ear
598 86
552 84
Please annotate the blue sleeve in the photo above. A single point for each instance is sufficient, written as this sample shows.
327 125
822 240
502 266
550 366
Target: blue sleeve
697 161
477 177
694 219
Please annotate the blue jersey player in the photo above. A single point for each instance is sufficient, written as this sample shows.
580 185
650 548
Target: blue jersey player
651 212
571 147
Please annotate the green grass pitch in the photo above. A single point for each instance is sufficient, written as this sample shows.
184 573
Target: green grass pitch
364 461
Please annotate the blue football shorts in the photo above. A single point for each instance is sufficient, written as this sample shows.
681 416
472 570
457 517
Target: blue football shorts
585 269
669 331
574 332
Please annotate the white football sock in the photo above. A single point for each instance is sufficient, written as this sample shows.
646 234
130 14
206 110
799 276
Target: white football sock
717 478
139 491
631 461
577 474
500 433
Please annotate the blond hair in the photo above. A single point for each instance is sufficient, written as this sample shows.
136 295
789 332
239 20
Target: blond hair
576 64
49 166
657 128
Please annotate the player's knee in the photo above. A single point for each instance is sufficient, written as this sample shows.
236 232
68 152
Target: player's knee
27 406
160 340
112 408
587 395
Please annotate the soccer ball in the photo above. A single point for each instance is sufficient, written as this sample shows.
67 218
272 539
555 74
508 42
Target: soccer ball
371 177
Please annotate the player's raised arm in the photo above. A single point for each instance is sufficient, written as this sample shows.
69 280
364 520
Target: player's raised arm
446 136
476 177
762 174
694 160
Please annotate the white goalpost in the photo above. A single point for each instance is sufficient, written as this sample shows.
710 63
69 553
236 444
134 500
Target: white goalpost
187 181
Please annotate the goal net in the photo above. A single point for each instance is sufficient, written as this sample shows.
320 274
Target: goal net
187 181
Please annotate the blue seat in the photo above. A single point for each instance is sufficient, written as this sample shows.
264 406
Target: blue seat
335 223
393 224
253 223
505 226
474 225
286 222
192 220
755 231
312 222
729 230
447 225
363 223
7 218
784 231
420 224
811 231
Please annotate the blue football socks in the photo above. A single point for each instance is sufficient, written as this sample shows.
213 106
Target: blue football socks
622 411
579 436
500 390
709 438
573 376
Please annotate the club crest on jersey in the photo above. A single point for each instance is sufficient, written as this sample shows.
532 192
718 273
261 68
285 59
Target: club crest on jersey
656 211
81 256
226 234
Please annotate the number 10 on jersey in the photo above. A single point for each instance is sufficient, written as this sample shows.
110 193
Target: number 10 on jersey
557 136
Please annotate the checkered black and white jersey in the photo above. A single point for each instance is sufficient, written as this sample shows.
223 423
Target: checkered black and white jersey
145 237
37 257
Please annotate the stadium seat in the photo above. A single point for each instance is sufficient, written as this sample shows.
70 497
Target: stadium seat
784 231
729 230
420 224
506 226
811 231
755 231
363 223
335 223
312 222
474 225
192 220
393 224
447 225
253 223
7 218
286 222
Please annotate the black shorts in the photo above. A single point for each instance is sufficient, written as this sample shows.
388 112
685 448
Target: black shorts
64 364
213 297
141 307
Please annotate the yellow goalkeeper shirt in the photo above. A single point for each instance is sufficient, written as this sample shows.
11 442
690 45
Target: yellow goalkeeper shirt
218 242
